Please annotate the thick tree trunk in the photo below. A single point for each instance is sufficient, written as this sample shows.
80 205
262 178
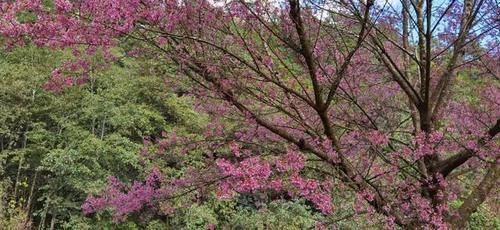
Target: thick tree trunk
477 197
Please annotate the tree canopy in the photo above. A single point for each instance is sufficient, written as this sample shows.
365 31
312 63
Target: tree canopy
327 110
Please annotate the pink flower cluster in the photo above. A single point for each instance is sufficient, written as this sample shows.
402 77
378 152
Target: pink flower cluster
254 174
59 81
414 206
290 162
63 6
234 147
124 200
247 176
428 144
313 191
377 138
326 146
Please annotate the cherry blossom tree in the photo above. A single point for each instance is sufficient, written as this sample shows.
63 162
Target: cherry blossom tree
361 97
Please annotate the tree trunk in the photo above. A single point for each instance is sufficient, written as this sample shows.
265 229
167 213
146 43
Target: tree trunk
476 198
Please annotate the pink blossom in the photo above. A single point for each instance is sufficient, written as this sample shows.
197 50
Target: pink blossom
235 148
377 138
63 5
292 161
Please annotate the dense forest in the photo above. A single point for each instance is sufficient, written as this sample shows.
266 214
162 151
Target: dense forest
249 114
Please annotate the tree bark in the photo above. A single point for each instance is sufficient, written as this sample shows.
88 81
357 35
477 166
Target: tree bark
477 197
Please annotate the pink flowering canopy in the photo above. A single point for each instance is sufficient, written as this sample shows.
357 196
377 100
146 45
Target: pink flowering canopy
363 97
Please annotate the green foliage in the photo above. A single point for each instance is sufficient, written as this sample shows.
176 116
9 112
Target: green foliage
199 216
83 223
18 219
56 148
232 215
278 215
483 218
156 225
